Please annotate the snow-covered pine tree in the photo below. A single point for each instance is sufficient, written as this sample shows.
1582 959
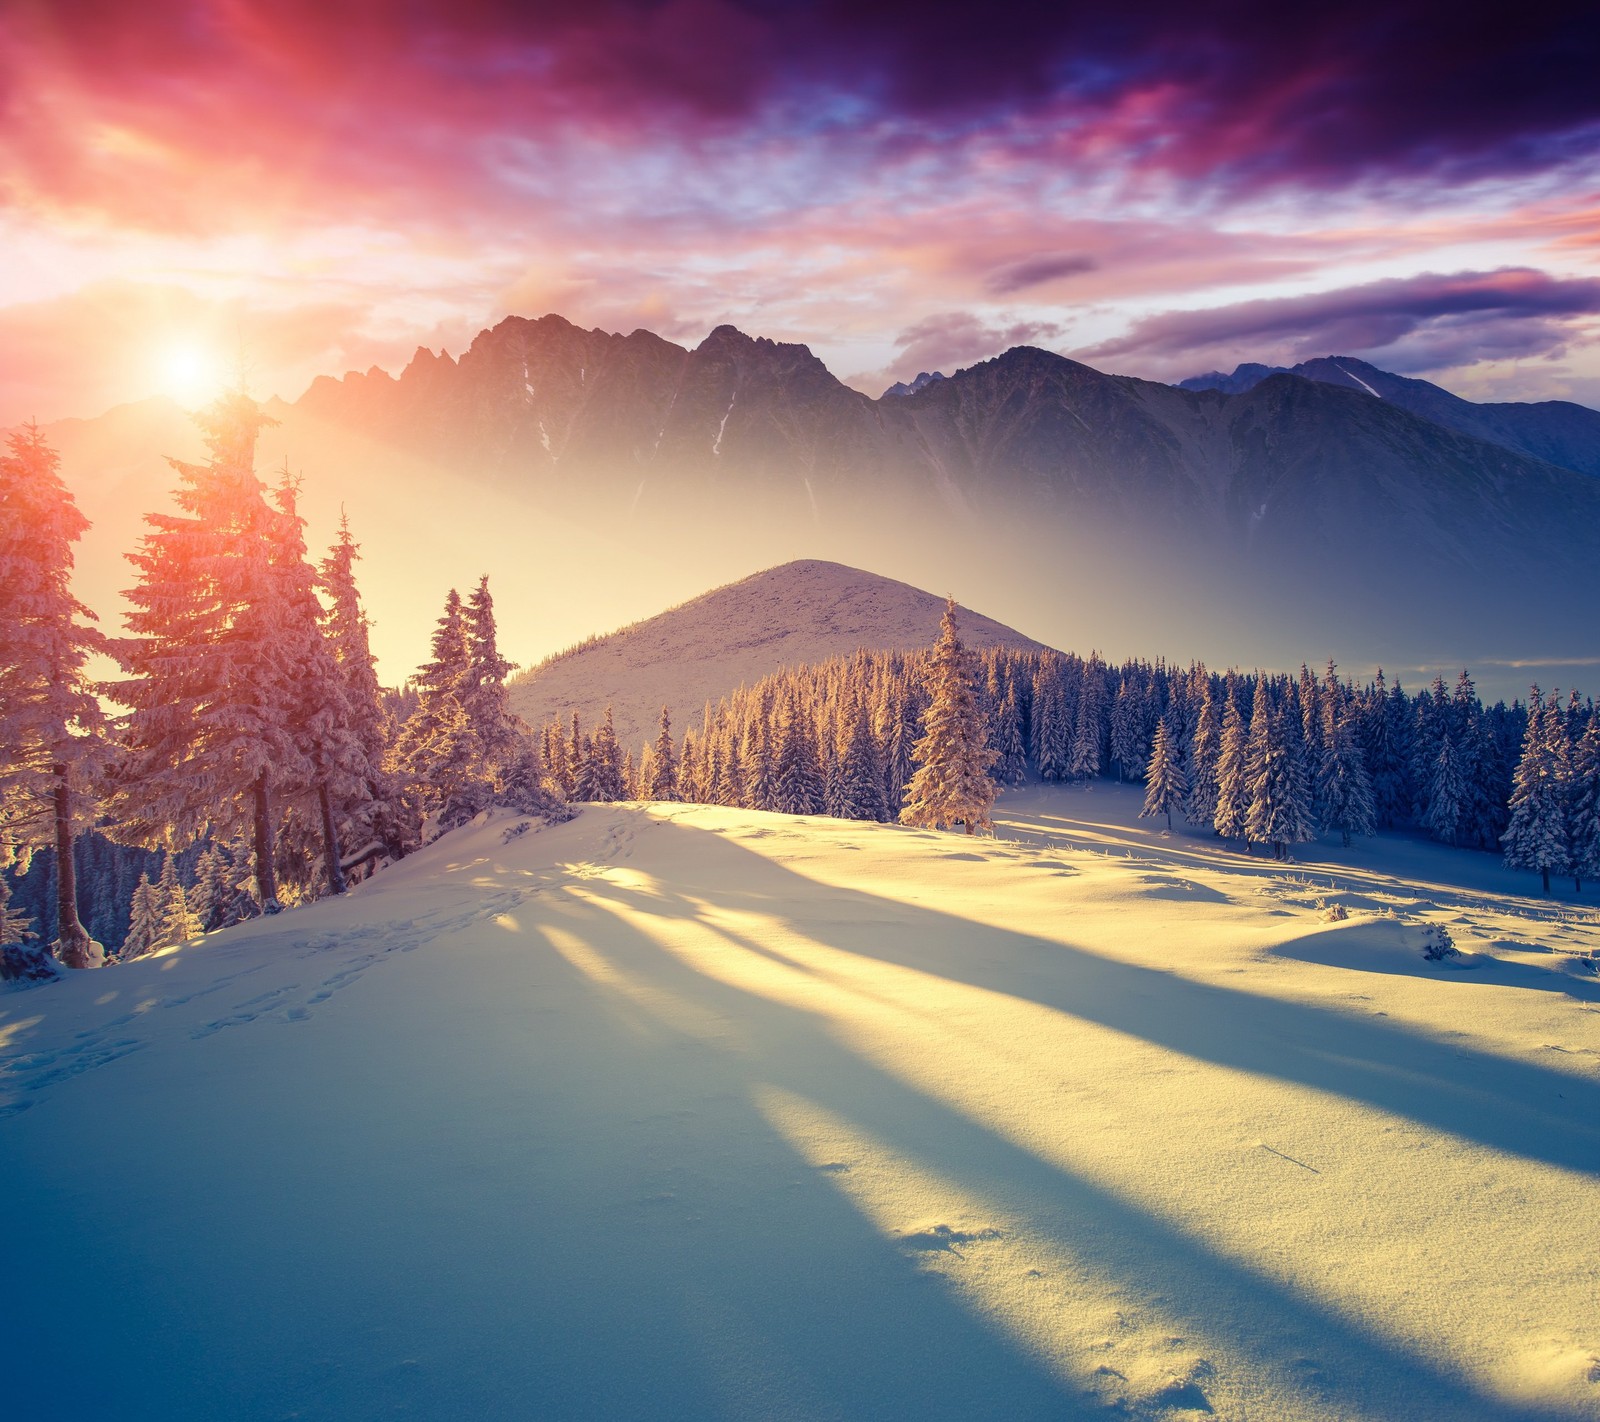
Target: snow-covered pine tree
53 733
729 789
1233 786
1126 715
1280 797
525 787
211 890
377 815
861 770
1448 793
144 922
1431 717
902 715
951 785
1200 804
1083 761
16 927
177 924
1052 736
211 673
798 788
608 778
760 765
1537 836
1346 789
321 719
1583 808
1011 767
660 774
1165 783
484 697
438 750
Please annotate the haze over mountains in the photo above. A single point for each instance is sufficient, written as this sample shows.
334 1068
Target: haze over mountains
598 477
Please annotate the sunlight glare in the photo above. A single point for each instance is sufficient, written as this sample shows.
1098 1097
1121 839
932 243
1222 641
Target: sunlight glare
190 374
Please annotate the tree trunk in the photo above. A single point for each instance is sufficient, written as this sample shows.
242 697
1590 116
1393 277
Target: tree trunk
1544 870
330 842
73 945
266 871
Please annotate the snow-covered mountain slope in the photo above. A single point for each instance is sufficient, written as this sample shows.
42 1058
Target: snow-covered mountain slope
684 1112
803 612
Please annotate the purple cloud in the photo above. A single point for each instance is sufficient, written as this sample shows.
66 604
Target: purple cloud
1035 271
106 106
1427 322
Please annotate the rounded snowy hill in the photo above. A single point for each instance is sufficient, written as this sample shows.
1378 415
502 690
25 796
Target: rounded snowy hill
803 612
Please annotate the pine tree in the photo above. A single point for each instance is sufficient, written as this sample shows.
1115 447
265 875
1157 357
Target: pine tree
1537 837
484 697
53 734
144 924
438 749
1346 799
607 756
1583 810
1011 764
212 893
798 785
760 773
1053 730
1166 784
661 780
321 720
729 789
176 923
861 771
376 813
1233 787
1448 793
212 677
1280 797
15 926
1200 805
952 784
1084 757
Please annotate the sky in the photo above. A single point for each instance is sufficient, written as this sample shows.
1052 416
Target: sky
190 188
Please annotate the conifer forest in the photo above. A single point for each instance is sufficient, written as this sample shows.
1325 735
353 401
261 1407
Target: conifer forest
247 758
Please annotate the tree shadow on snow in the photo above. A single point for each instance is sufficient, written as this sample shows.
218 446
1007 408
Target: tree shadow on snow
1307 1348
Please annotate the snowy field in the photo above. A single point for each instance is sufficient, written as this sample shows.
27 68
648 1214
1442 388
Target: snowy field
676 1112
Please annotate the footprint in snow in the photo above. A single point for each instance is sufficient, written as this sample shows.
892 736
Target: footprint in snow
942 1238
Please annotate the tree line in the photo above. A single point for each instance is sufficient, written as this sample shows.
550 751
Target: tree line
1267 760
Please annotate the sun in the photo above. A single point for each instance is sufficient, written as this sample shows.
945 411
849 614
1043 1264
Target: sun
190 374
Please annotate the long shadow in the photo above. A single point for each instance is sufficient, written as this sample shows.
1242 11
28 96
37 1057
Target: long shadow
1308 1349
767 1293
1499 1102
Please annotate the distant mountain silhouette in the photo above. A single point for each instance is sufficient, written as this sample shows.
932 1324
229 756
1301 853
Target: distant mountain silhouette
1556 431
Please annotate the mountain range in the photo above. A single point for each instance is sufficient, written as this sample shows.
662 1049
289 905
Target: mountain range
1556 431
1269 516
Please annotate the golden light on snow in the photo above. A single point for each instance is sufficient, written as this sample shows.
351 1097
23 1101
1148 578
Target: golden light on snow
190 373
